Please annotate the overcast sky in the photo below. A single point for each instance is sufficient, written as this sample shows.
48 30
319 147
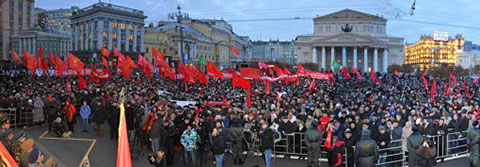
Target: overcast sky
454 16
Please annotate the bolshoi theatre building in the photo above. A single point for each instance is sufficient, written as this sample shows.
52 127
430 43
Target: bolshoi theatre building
351 38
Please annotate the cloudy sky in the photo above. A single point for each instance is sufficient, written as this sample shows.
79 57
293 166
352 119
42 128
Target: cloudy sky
454 16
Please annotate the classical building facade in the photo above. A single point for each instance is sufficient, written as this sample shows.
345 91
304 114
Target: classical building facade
431 51
274 50
104 24
16 15
31 40
351 38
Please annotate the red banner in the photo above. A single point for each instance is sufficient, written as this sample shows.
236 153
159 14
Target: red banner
318 75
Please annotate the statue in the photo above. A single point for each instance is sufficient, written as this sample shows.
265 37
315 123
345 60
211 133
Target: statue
347 28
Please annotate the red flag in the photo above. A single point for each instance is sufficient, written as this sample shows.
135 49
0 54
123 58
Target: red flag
238 81
285 70
278 70
312 86
270 71
262 65
453 79
123 151
298 81
425 82
60 66
75 63
118 54
31 62
42 60
105 62
396 73
253 73
433 92
277 96
105 52
146 66
127 64
300 69
354 70
81 81
449 89
212 70
267 91
201 77
52 58
156 54
234 50
345 73
249 97
16 57
373 77
69 87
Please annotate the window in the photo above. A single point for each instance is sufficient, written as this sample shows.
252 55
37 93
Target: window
104 34
115 25
123 37
130 27
146 49
130 37
105 24
122 26
115 35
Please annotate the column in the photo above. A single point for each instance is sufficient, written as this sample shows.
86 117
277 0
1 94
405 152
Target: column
100 25
375 60
365 59
34 45
142 37
314 55
180 52
81 37
20 46
15 16
135 38
32 15
344 56
355 59
127 33
75 41
385 60
323 58
110 35
24 16
92 34
332 57
119 37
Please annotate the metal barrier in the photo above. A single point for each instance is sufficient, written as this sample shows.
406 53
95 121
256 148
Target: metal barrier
18 118
448 146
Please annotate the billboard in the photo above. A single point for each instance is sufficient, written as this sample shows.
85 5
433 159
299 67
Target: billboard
440 35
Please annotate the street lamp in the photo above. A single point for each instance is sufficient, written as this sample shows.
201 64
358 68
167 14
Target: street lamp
179 16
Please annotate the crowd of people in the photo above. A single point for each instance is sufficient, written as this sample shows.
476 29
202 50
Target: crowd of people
355 120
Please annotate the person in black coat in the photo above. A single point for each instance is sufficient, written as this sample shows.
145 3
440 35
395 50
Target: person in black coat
267 140
113 119
170 141
350 141
219 145
383 139
100 114
158 158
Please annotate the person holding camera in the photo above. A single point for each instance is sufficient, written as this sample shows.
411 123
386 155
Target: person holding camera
218 147
158 158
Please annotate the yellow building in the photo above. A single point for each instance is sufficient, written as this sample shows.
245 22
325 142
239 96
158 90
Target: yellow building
436 50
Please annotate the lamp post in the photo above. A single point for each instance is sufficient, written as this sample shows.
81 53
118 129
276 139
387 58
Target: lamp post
179 16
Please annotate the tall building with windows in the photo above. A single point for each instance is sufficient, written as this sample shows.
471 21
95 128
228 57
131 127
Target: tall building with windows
16 15
57 19
436 50
274 50
105 24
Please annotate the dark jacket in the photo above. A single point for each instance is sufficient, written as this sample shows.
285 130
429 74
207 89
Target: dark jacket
413 142
267 139
286 128
100 114
218 144
366 153
313 138
379 138
157 129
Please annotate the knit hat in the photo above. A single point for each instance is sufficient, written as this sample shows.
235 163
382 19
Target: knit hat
415 128
475 123
381 127
34 155
348 130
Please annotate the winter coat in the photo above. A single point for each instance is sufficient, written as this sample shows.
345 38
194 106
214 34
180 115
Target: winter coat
396 139
366 153
267 139
100 114
157 129
189 140
219 144
51 107
473 141
85 111
313 138
379 138
413 142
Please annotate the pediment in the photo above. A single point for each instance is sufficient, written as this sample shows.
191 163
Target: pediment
349 14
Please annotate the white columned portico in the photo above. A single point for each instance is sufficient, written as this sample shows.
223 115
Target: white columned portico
385 60
344 56
355 58
324 59
314 55
365 59
332 57
375 60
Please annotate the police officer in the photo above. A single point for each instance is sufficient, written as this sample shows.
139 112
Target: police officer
473 139
366 153
237 136
313 139
413 142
